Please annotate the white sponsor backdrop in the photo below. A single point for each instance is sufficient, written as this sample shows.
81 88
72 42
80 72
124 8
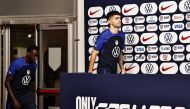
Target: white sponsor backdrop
157 33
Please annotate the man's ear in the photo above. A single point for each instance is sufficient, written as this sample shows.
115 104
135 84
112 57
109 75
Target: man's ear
109 21
27 53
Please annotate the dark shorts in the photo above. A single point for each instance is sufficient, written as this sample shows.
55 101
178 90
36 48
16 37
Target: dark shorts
105 71
26 102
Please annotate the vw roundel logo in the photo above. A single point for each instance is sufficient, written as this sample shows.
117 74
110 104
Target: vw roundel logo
116 52
149 68
130 38
185 68
168 37
92 40
112 8
148 8
26 80
187 5
184 6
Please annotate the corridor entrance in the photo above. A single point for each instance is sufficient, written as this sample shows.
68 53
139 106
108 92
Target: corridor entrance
55 42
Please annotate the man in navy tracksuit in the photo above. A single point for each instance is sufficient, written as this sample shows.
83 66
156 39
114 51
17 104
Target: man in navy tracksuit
20 76
109 45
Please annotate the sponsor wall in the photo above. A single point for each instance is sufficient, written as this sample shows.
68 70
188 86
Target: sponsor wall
157 33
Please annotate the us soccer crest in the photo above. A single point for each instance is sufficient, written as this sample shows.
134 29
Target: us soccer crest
116 42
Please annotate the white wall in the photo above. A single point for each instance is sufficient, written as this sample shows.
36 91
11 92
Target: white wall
80 29
36 7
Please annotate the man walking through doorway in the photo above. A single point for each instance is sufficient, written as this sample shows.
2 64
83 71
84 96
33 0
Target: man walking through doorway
19 81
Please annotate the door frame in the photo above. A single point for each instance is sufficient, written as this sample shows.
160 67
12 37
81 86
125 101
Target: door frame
5 21
71 46
1 84
71 53
5 35
5 39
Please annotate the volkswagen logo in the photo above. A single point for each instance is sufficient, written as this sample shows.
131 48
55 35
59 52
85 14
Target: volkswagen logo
112 8
187 5
148 8
94 39
168 37
187 68
116 52
26 80
130 39
149 68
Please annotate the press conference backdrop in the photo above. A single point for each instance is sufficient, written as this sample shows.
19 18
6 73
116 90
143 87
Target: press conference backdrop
159 30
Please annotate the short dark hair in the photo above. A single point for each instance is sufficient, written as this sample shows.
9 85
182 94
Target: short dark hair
32 47
111 13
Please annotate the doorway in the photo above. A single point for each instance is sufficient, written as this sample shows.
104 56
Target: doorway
56 43
53 61
14 41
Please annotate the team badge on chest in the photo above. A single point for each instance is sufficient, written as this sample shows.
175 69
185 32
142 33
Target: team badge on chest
116 42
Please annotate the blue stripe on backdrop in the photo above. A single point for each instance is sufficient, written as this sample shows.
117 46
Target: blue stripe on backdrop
148 90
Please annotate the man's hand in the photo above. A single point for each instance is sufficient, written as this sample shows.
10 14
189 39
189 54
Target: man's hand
123 70
16 104
8 86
